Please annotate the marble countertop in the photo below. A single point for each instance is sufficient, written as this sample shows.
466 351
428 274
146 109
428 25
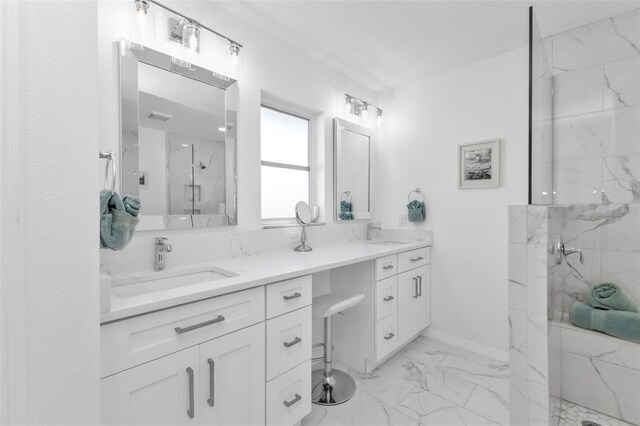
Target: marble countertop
254 271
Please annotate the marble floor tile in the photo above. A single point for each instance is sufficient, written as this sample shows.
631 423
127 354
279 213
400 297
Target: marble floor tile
430 409
489 404
494 378
444 349
363 409
320 417
433 379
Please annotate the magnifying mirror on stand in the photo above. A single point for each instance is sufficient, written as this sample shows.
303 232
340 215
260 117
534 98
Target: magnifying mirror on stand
303 216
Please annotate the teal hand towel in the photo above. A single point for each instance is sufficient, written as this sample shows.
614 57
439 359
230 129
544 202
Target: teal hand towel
415 211
116 224
131 205
622 324
345 216
345 207
610 296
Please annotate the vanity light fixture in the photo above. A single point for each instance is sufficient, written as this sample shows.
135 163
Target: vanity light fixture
360 108
187 30
222 129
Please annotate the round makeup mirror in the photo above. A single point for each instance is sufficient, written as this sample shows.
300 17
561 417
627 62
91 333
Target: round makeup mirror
303 213
303 216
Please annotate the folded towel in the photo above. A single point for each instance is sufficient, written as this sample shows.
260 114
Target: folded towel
131 205
116 224
345 207
622 324
415 211
345 216
610 296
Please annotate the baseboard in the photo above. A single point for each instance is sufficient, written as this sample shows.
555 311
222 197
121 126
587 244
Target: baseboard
497 354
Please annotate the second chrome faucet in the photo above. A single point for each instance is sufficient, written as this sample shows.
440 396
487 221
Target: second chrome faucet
161 247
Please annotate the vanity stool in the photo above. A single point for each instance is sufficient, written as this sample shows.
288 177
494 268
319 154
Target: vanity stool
330 386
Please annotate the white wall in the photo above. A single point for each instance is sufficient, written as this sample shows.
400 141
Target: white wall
58 140
424 123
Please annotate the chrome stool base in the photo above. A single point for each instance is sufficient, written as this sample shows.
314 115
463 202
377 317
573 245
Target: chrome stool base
339 387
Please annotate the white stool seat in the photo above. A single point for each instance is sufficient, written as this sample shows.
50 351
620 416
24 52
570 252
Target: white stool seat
330 304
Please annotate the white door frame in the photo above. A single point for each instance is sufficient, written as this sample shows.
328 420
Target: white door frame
12 387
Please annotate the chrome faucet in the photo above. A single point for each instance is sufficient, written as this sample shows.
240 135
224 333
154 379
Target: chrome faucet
372 226
161 248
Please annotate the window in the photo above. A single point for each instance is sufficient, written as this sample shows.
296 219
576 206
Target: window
285 162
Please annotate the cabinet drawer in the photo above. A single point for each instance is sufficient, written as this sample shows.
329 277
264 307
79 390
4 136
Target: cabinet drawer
386 267
288 341
289 396
136 340
414 259
386 297
386 336
287 296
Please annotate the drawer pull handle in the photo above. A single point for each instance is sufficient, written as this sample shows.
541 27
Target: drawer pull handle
388 298
216 320
212 382
416 259
388 267
389 336
293 401
293 296
415 287
191 412
293 342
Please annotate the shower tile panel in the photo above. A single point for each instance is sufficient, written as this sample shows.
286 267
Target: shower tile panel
537 362
622 83
578 92
518 401
518 224
537 279
518 348
622 268
601 386
621 179
597 43
578 181
538 404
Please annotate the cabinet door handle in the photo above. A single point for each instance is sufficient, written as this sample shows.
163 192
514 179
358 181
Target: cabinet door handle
416 259
181 330
212 382
293 401
388 267
191 411
389 336
293 296
415 287
420 285
293 342
388 298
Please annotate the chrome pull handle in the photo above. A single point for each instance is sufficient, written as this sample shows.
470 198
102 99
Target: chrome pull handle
416 259
420 285
212 382
293 342
216 320
387 267
293 296
389 336
415 287
293 401
191 412
388 298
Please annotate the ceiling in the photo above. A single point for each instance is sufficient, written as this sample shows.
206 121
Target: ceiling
384 44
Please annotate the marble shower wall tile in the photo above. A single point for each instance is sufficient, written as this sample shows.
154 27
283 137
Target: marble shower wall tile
518 224
598 43
621 179
622 83
517 276
518 401
577 181
623 269
578 92
599 346
601 386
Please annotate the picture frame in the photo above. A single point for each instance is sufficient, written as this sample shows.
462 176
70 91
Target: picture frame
479 164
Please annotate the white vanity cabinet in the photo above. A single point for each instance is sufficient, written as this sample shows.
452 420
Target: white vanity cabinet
396 308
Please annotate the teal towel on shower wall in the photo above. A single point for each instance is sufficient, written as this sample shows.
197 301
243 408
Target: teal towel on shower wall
610 296
622 324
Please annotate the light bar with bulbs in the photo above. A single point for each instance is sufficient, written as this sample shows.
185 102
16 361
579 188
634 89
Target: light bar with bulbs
360 108
189 28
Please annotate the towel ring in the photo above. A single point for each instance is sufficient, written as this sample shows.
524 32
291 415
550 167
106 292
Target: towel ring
111 159
417 191
347 194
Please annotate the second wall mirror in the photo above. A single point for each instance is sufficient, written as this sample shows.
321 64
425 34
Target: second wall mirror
353 177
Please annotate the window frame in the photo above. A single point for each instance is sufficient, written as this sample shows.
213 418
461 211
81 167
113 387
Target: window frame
278 107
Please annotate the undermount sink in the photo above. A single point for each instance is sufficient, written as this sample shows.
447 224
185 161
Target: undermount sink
386 242
136 285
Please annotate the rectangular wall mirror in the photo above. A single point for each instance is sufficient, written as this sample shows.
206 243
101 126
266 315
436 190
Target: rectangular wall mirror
353 157
178 140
